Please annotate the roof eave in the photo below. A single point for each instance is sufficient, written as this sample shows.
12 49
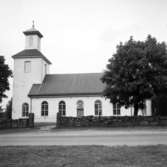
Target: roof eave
33 33
20 57
66 95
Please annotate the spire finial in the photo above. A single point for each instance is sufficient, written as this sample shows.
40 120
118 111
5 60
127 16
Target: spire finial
33 24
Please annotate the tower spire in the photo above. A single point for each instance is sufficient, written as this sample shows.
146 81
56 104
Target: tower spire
33 37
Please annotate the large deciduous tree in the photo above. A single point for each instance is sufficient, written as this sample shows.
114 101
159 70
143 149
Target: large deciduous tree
136 72
5 73
8 109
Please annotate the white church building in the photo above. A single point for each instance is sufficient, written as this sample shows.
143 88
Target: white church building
37 91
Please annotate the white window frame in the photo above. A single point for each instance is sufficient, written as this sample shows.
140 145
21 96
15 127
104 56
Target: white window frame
25 110
80 108
27 66
98 108
62 108
116 109
44 109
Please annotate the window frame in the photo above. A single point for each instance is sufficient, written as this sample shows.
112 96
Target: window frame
80 108
25 109
116 109
27 66
62 108
44 109
98 108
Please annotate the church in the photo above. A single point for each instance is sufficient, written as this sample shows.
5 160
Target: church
37 91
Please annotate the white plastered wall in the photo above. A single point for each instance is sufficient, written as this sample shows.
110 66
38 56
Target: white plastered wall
23 82
32 42
107 107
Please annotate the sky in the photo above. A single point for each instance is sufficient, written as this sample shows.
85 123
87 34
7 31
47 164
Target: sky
79 35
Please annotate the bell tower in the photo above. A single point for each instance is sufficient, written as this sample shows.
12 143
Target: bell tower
30 67
33 38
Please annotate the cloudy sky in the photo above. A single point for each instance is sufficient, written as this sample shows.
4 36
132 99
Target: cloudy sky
80 35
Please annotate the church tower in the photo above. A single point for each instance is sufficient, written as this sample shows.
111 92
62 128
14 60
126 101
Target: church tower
30 67
33 38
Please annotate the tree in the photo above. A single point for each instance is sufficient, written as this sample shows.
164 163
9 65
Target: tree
5 73
136 72
159 105
8 109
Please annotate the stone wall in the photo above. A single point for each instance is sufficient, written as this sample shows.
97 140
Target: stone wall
3 116
17 123
110 121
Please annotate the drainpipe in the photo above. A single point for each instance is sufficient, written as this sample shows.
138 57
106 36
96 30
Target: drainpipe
30 105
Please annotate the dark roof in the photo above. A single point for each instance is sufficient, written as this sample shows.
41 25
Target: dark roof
33 31
35 89
69 85
31 53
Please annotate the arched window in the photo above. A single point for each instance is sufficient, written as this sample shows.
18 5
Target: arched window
116 109
44 108
80 108
25 109
62 108
98 107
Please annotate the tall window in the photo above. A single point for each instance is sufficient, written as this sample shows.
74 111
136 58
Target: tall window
25 110
27 66
98 107
80 108
62 108
44 108
116 109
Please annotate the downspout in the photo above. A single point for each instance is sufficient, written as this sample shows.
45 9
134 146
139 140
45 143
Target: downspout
30 105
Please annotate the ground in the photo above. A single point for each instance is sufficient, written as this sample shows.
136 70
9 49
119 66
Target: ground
103 136
105 147
83 156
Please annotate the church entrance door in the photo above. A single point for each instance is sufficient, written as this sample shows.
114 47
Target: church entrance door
80 108
80 112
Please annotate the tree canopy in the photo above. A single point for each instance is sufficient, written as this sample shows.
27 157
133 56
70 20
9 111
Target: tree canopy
8 109
136 72
5 73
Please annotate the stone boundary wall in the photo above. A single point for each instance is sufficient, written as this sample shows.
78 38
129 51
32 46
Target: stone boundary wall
110 121
3 116
17 123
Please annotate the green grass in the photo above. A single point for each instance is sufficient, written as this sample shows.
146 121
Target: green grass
83 156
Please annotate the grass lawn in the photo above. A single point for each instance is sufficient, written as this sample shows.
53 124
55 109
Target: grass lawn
83 156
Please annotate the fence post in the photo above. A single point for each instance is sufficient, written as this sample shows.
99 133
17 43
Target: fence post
31 120
58 122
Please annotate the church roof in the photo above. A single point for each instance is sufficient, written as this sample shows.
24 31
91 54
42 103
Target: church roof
31 53
69 85
33 31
